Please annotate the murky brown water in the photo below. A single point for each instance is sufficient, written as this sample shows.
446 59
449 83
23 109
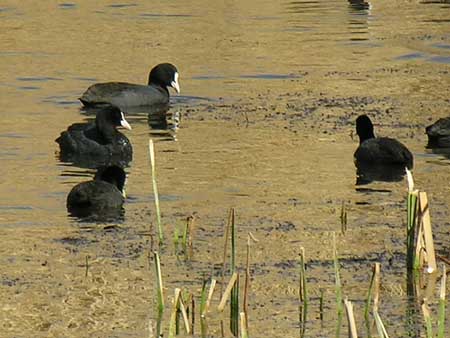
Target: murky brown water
271 91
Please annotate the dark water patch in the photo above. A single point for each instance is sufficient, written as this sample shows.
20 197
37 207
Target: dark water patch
441 45
440 59
76 241
16 207
13 135
88 79
61 100
437 2
5 9
410 56
29 88
158 15
38 79
437 21
6 281
10 154
270 76
370 190
21 53
266 18
121 5
190 99
67 5
208 77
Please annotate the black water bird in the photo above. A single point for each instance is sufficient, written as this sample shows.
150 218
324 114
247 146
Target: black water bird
102 197
439 133
97 143
155 95
383 151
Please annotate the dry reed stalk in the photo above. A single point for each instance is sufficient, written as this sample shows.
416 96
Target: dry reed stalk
155 189
425 235
244 324
227 292
208 299
173 324
185 315
351 319
376 299
382 333
376 288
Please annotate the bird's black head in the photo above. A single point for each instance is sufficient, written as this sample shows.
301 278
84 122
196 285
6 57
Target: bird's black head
112 174
108 119
364 128
164 75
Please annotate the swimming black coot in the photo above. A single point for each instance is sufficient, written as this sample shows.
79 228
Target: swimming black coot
99 142
439 133
379 150
103 196
124 95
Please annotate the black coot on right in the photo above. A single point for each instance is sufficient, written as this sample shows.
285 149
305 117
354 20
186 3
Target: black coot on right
99 143
154 96
379 158
102 197
439 133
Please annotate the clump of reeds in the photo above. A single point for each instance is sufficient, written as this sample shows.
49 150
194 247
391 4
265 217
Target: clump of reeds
186 241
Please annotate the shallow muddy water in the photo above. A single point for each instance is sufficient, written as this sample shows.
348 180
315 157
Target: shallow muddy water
270 92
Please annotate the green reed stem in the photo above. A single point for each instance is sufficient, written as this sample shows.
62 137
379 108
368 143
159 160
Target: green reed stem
427 318
303 294
160 294
321 305
234 309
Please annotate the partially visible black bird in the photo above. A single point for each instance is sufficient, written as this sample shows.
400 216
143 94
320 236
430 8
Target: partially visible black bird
102 197
439 133
99 142
379 150
125 95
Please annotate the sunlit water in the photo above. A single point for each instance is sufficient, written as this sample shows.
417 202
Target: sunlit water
270 92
